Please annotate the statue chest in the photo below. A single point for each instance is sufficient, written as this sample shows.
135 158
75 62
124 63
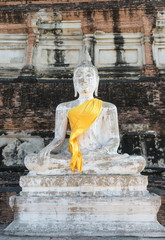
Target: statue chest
97 134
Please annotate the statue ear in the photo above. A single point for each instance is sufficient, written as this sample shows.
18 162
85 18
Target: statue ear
75 93
75 85
96 92
96 89
75 89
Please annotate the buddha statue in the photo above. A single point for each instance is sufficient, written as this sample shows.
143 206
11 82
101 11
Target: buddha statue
98 144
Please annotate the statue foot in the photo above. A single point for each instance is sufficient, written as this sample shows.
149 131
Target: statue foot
118 165
58 164
32 163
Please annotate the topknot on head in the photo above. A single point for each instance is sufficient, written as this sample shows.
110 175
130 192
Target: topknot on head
86 60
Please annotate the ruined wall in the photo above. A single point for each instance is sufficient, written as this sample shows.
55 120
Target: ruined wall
40 44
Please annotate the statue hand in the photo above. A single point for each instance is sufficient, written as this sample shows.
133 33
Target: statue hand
112 146
45 152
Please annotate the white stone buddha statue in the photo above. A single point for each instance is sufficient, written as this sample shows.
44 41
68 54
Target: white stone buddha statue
98 144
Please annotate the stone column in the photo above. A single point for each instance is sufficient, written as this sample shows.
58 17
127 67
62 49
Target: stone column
30 46
149 68
28 69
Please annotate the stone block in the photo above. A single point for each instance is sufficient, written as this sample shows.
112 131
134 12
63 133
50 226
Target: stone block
125 49
15 147
59 43
85 205
13 54
86 216
91 185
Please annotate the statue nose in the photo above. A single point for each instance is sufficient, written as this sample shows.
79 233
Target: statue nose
83 80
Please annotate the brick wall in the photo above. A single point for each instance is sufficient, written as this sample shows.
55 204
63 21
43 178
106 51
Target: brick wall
156 184
6 214
31 106
161 213
9 186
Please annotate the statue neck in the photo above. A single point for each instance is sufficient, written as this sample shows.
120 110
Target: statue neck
85 97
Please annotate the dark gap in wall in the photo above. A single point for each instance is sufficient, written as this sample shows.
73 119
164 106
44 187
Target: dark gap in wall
12 16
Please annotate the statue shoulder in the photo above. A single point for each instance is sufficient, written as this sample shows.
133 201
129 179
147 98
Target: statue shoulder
109 105
65 105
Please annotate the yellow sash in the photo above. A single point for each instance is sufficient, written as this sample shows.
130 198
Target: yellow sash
81 118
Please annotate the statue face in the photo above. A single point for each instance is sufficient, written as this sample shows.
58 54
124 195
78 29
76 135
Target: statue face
85 79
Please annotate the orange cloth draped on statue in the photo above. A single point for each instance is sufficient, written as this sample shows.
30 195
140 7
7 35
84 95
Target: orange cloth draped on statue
81 118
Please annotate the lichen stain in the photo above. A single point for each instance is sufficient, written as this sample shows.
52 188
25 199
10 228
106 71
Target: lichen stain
89 16
149 9
131 12
77 14
105 15
151 12
118 38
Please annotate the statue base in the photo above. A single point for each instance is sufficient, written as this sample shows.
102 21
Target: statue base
85 205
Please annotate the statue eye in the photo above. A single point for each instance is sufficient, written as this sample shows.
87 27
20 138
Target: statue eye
89 75
79 74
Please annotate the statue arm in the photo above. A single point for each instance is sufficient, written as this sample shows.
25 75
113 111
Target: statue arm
61 122
114 138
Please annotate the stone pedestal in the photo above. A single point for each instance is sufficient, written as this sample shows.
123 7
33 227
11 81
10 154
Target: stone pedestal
85 205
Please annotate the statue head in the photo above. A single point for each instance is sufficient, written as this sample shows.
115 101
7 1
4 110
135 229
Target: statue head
85 78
